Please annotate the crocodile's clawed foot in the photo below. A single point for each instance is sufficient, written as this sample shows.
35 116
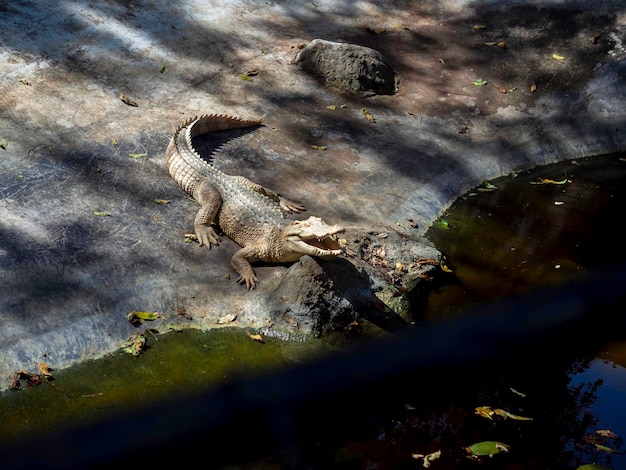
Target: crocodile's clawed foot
290 206
251 282
207 235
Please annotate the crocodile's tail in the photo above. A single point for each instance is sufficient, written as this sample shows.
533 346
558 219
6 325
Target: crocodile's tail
217 122
184 163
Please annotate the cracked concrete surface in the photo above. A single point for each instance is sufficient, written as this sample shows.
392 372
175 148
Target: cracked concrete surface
68 277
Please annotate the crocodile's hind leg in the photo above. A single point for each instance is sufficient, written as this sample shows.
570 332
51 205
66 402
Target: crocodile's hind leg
210 200
285 204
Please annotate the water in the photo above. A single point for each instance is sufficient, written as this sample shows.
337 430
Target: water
523 236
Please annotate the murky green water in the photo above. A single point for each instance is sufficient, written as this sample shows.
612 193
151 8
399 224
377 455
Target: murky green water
503 242
525 235
173 364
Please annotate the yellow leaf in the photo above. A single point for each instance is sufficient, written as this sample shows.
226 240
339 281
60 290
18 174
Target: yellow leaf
319 147
126 100
162 201
143 316
258 338
445 268
606 433
480 26
484 411
45 369
560 58
368 115
506 414
533 87
137 155
101 213
332 107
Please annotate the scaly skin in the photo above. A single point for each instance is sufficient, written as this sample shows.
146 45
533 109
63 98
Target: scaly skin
246 212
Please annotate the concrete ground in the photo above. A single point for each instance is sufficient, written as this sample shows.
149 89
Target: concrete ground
555 89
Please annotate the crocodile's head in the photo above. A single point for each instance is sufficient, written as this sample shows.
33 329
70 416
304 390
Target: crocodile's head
312 237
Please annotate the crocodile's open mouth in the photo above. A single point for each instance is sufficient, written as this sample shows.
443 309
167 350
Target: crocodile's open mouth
328 243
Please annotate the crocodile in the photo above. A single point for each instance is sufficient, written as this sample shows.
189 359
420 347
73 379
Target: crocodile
251 215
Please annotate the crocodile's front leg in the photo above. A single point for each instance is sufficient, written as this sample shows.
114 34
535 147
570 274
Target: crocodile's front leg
241 262
285 204
210 200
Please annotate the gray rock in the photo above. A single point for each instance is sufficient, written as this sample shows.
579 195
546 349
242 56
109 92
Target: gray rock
348 68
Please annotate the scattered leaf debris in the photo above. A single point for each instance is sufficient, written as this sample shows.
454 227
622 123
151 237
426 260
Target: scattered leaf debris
3 144
137 344
549 181
489 448
256 337
488 412
480 82
32 380
369 116
137 155
228 318
102 213
126 100
136 318
25 82
427 458
45 370
182 311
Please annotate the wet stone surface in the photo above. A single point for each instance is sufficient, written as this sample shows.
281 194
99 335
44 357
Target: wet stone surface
82 240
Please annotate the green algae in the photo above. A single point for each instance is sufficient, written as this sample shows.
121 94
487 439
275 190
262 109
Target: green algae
173 364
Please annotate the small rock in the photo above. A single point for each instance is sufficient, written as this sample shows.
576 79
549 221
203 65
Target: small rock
348 68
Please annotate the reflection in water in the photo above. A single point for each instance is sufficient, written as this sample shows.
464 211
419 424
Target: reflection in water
600 385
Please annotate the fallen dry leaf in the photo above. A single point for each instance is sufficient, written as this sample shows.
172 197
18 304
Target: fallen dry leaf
369 116
45 370
229 318
126 100
257 338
